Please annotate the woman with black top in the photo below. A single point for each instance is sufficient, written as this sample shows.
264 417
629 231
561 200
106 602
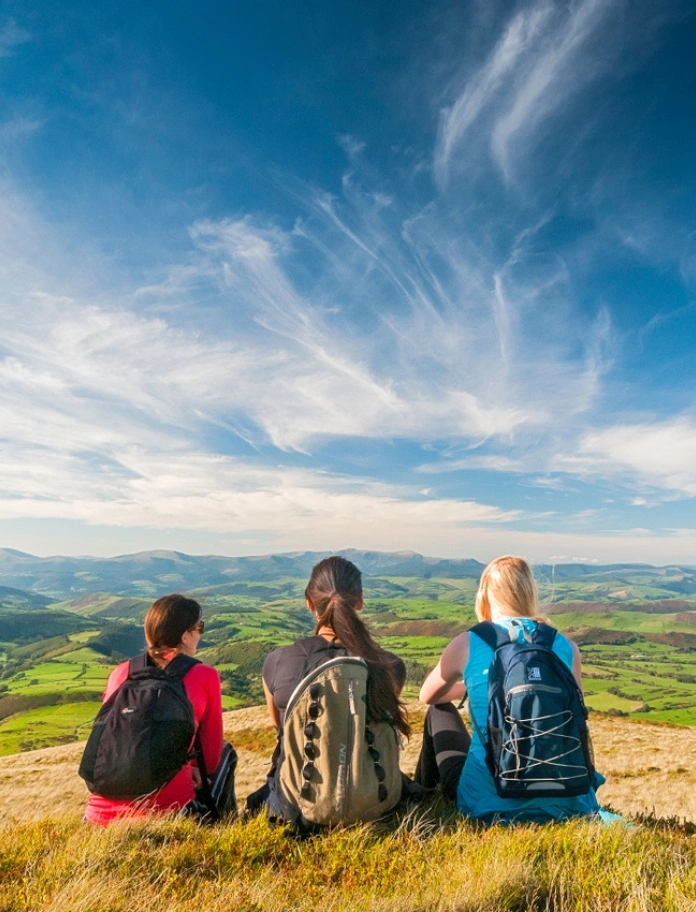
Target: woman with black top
334 595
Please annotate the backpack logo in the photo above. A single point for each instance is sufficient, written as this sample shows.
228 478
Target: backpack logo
534 673
127 710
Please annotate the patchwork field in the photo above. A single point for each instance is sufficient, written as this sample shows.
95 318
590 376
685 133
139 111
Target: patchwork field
636 627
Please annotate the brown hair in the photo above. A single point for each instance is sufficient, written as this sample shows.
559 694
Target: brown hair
167 621
335 592
509 582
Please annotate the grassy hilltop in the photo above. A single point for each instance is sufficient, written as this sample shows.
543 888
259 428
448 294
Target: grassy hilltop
426 859
61 866
67 622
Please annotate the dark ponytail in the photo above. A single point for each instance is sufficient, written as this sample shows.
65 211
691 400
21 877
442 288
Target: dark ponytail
335 592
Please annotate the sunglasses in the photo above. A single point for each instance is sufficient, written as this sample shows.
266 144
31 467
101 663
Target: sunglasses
198 628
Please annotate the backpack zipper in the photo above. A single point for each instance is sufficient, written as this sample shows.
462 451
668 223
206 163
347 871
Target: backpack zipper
521 688
349 744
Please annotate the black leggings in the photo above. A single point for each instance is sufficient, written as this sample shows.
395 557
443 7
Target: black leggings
445 746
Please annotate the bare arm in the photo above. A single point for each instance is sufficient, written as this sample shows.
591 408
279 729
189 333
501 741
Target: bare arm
272 708
444 683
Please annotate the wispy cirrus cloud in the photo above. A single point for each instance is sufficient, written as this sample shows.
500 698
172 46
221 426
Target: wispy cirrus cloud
17 129
546 57
482 88
104 408
397 342
205 491
11 36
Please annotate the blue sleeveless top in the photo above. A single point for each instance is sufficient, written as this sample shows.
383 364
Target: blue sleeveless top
476 794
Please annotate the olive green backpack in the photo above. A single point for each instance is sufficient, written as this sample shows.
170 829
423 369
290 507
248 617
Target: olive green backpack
335 767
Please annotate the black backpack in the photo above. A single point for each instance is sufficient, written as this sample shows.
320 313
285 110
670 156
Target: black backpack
537 740
143 733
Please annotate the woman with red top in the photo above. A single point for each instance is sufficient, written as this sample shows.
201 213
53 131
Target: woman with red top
174 626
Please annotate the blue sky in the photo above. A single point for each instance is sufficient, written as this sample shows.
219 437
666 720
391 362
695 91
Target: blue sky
414 276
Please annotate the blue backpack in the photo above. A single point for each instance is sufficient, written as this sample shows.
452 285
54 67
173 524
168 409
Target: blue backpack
537 740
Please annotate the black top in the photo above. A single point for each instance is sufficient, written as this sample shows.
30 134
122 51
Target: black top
285 667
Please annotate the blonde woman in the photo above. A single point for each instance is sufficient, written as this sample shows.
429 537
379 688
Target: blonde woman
506 597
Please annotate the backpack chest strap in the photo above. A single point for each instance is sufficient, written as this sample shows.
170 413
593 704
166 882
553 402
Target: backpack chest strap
496 636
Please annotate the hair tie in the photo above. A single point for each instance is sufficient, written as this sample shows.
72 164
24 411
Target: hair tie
165 653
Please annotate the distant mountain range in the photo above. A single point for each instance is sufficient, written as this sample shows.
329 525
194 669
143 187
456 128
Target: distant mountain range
152 573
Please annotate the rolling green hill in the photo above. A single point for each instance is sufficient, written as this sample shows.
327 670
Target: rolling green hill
636 626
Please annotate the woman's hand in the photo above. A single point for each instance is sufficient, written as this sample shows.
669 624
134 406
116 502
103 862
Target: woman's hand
445 682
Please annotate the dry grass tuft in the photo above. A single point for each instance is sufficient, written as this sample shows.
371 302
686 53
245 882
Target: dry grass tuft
426 859
175 866
650 768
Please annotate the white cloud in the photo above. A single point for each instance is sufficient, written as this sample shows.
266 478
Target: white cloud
199 491
656 454
399 344
352 146
11 36
482 88
265 509
472 461
560 68
119 399
546 56
18 128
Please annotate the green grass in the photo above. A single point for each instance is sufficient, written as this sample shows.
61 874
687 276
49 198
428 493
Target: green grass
85 654
425 863
46 727
54 676
232 702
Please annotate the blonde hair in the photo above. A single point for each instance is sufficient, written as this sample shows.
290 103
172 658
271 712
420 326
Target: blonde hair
509 582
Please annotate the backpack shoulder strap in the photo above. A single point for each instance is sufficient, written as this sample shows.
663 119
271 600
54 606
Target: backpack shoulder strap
306 646
491 634
180 665
544 635
139 663
316 653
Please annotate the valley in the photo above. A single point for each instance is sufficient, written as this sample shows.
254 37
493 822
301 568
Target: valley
635 624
